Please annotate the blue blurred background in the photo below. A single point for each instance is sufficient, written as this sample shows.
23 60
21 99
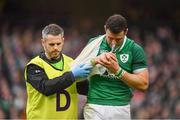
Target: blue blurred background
153 24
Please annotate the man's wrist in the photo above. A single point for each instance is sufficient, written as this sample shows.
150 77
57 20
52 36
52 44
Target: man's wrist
119 73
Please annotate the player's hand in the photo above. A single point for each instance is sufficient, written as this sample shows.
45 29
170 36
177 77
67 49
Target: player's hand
102 59
113 66
109 61
82 70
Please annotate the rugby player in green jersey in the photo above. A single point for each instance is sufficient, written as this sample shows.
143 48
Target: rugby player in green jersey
110 93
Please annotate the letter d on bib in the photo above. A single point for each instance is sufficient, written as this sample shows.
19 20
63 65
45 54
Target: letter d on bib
58 101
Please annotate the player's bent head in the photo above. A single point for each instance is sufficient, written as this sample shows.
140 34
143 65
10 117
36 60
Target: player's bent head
116 23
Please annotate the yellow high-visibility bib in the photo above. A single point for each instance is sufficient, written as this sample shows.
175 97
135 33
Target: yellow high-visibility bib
61 105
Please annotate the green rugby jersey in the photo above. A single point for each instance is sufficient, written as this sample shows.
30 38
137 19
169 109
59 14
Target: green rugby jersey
106 89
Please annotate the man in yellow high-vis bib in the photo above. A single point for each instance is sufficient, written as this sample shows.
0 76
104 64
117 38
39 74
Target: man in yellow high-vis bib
50 81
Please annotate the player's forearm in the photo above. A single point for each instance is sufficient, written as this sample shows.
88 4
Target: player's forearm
136 81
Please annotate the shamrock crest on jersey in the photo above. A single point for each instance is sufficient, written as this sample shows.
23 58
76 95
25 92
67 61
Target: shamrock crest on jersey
124 57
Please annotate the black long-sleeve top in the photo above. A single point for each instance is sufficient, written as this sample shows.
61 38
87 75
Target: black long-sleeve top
37 77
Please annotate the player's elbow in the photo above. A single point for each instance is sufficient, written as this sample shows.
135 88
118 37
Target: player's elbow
144 86
144 82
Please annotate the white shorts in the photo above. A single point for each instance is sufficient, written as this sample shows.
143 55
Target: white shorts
102 112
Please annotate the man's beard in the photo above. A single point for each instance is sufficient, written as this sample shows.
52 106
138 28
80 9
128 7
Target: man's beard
55 55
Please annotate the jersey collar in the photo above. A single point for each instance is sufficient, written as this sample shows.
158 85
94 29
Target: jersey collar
119 48
124 41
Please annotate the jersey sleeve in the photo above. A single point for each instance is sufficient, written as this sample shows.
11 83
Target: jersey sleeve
139 58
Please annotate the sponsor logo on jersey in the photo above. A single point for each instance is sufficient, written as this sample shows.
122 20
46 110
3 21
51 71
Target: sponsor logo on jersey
124 57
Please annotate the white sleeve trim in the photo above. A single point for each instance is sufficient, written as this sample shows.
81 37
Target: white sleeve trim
139 70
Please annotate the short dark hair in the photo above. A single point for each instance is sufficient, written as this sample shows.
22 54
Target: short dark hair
52 29
116 23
